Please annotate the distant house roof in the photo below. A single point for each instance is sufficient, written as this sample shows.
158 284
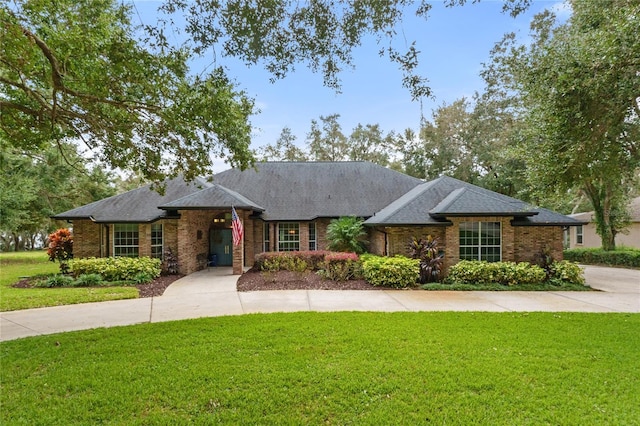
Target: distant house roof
136 206
293 191
634 212
432 202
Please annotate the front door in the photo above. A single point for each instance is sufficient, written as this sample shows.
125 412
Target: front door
220 244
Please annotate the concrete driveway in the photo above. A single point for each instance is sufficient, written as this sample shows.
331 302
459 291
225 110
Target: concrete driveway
213 292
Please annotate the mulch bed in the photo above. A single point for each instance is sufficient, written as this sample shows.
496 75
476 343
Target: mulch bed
254 280
152 289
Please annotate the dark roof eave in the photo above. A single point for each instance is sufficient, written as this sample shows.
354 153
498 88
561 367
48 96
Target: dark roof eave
145 220
390 225
169 208
483 214
516 223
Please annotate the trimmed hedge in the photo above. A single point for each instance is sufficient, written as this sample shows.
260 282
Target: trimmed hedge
396 272
285 260
341 267
505 273
117 268
596 256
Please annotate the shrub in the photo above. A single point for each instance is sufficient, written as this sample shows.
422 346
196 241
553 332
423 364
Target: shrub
116 268
61 248
596 256
142 278
346 234
283 261
272 261
170 264
56 281
341 267
505 273
431 261
396 272
88 280
566 272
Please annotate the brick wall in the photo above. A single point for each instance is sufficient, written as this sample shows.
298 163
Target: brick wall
398 237
86 238
193 238
532 240
377 241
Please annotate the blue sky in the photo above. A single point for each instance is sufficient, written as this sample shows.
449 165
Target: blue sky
454 42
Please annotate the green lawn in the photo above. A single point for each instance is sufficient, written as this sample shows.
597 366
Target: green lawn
21 264
332 368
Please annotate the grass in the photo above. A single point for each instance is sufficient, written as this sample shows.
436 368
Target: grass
332 368
13 266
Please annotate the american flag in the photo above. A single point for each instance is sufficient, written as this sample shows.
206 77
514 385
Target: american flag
236 227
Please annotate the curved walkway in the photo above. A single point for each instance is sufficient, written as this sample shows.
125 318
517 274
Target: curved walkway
213 292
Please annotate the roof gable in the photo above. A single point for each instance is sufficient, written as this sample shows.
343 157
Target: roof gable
216 196
136 206
432 202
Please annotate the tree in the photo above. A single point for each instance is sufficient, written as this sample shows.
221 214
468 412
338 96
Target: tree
320 34
367 143
285 149
578 91
76 70
327 143
35 186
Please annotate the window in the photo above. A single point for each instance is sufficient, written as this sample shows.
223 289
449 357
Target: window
579 234
125 239
265 237
157 247
480 241
288 236
313 245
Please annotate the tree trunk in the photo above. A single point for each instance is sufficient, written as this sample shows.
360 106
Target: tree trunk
601 200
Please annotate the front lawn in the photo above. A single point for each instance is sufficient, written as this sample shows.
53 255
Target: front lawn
332 368
13 266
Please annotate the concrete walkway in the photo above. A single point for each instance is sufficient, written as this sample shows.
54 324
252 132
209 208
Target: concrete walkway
213 292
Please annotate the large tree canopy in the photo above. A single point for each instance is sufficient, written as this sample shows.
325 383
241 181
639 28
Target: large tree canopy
578 91
77 70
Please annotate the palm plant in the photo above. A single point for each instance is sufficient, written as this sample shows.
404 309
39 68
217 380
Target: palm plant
346 234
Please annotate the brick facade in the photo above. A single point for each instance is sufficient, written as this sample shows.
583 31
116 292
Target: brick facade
188 237
87 237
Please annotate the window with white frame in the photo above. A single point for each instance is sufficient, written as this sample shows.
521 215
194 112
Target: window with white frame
288 236
266 237
157 245
480 241
126 239
579 234
313 242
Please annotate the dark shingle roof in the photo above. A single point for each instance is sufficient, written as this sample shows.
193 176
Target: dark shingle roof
431 202
216 196
467 201
307 190
137 206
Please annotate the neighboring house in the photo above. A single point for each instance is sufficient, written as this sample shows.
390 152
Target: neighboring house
287 206
586 235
